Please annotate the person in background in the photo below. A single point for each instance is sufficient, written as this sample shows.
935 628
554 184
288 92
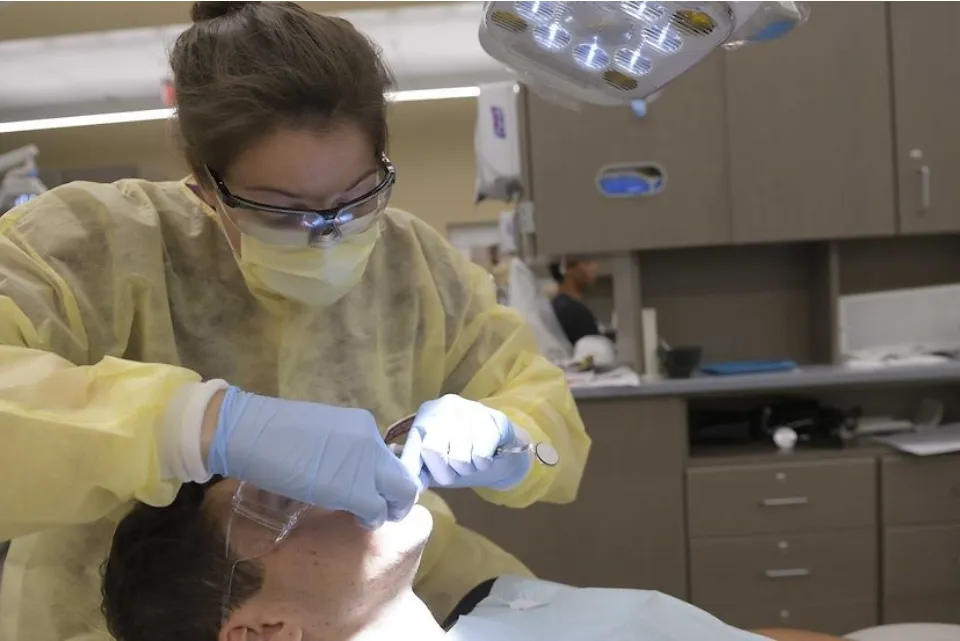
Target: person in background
263 320
574 276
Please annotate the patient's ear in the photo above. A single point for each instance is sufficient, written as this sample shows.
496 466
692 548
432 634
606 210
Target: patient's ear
238 629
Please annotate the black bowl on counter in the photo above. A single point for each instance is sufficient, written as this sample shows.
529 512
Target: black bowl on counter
681 361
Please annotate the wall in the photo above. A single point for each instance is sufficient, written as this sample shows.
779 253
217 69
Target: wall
431 145
34 20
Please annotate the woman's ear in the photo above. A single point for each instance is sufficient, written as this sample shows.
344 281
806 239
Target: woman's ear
207 194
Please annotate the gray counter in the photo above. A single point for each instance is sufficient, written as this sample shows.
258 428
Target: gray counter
809 377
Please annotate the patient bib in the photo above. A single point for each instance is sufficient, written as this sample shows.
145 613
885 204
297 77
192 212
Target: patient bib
528 609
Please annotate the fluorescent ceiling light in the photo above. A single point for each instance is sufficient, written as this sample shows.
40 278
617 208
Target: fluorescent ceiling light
434 94
114 118
146 115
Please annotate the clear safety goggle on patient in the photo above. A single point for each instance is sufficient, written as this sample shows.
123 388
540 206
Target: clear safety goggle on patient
274 517
308 227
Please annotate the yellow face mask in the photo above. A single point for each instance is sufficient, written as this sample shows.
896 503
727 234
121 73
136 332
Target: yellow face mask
316 277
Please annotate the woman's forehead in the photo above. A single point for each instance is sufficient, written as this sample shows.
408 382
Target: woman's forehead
305 163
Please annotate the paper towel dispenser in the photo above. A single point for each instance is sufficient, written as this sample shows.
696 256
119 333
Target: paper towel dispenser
497 143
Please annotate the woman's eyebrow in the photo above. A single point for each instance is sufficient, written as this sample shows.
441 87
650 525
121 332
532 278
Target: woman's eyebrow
276 191
279 191
366 175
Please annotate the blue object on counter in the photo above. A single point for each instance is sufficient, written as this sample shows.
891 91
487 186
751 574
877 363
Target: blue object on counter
748 367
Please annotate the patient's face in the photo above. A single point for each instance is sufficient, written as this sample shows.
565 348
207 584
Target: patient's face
329 575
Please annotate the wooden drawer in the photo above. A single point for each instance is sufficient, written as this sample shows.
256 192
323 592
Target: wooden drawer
781 497
930 608
921 560
834 618
920 490
808 568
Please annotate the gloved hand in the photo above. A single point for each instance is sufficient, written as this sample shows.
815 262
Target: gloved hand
328 456
452 444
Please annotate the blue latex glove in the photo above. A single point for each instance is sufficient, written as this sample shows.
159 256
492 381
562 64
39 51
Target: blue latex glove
333 457
452 444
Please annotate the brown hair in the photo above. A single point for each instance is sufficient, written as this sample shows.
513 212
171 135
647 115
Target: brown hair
245 69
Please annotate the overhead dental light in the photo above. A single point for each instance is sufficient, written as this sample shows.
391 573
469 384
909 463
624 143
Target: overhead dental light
611 53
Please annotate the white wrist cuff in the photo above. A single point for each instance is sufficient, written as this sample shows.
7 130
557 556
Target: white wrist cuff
181 456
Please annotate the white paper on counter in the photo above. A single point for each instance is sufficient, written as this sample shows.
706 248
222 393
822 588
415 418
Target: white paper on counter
619 377
942 440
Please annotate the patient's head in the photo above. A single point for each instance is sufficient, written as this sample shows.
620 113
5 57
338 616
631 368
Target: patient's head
168 569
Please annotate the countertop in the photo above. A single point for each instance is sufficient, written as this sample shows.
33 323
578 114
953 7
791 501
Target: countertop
808 377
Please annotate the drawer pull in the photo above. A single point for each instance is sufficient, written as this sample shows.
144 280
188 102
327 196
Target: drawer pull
785 502
789 573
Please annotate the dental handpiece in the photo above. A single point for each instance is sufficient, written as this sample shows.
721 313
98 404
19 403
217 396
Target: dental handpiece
544 452
516 449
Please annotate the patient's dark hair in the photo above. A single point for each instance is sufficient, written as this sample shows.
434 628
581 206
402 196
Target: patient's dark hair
167 572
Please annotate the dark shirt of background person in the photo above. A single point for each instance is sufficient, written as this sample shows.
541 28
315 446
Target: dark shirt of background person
574 276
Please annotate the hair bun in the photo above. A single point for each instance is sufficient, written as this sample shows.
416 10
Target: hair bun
210 10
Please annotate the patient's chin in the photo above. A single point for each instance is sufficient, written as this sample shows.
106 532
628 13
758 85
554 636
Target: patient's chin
412 530
407 537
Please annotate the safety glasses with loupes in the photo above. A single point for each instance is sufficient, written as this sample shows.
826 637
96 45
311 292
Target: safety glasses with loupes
308 227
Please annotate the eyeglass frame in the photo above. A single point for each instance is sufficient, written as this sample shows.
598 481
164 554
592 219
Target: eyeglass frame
329 216
278 533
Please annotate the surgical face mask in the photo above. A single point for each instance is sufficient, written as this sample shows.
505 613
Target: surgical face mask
314 276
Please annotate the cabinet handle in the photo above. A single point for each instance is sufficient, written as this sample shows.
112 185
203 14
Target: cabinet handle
785 502
787 573
924 188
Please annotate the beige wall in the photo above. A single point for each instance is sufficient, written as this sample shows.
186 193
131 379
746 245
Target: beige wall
431 145
38 19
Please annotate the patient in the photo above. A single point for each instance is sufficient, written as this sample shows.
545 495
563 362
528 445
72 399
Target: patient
332 580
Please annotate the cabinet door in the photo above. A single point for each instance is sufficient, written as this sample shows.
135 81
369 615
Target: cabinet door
626 528
683 132
926 81
811 152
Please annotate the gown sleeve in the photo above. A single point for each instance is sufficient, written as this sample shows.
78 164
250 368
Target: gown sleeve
79 424
492 357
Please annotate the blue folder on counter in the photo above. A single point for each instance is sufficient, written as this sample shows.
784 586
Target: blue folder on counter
747 367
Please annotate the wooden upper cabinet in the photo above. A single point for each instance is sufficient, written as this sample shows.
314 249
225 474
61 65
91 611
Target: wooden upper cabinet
926 81
683 132
809 128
